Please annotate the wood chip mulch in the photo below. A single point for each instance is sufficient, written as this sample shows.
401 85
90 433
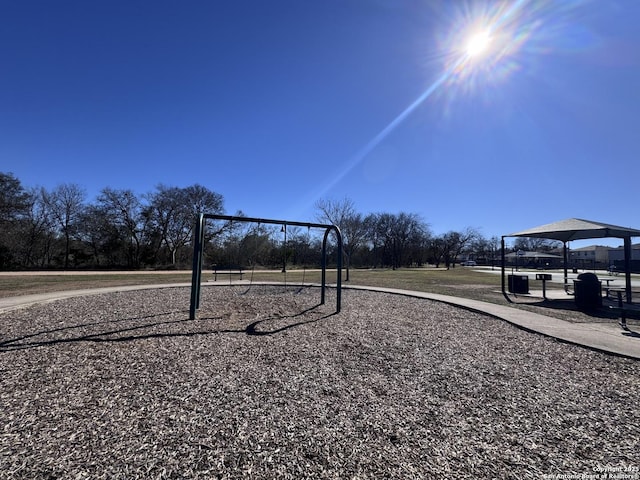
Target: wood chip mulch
268 384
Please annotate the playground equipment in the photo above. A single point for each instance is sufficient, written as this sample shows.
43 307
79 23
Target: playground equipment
196 277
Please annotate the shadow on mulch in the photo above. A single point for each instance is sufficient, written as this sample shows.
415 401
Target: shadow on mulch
82 325
116 335
252 328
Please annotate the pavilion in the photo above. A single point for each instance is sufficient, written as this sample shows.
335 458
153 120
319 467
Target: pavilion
578 229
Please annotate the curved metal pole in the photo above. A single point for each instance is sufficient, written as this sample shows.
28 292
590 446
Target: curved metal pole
198 240
339 269
323 263
196 273
201 241
338 266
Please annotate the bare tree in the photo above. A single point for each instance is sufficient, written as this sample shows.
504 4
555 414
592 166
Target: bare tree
437 248
65 202
14 206
456 242
14 200
343 214
409 230
531 244
100 235
395 237
38 231
126 213
174 212
485 249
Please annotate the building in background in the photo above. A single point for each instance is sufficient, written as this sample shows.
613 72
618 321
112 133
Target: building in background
616 258
590 258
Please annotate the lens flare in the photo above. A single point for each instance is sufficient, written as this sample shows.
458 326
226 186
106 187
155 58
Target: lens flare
478 43
486 42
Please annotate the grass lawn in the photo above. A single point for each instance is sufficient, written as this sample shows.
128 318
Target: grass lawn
421 279
21 284
459 282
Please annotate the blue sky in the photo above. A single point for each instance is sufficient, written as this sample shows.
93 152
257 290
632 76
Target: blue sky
275 104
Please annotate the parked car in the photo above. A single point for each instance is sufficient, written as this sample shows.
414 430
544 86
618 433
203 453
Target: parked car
469 263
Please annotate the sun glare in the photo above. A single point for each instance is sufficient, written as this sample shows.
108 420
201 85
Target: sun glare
478 44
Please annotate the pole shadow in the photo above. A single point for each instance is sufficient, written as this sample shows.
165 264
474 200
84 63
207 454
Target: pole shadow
182 327
252 328
82 325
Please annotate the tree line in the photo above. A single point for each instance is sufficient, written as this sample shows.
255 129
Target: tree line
59 229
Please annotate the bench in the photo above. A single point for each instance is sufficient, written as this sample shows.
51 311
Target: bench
227 270
619 310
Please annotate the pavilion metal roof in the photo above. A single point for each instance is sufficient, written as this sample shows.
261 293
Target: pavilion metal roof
577 229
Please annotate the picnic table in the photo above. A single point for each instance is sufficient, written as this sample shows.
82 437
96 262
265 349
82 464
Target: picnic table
608 287
620 309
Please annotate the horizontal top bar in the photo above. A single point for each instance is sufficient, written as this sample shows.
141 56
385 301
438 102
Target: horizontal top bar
231 218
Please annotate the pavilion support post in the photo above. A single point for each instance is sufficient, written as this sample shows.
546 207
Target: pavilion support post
627 267
565 254
502 255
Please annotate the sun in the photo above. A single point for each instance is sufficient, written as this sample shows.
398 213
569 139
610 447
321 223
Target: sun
478 43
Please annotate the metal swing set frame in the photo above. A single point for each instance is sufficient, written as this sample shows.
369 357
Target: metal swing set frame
196 278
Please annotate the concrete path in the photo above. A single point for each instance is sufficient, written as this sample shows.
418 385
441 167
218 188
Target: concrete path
603 337
558 277
21 301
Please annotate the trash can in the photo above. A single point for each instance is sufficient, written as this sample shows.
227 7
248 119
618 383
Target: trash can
518 284
587 291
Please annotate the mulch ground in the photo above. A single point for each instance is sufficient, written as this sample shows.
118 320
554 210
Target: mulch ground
269 384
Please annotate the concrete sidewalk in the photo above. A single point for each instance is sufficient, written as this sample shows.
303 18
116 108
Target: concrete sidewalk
21 301
603 337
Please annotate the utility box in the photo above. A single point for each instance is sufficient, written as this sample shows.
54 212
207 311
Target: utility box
518 284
